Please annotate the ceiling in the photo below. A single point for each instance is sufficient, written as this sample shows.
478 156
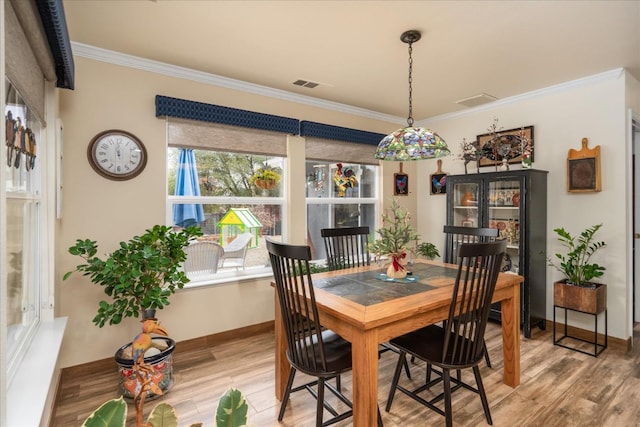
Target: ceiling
353 48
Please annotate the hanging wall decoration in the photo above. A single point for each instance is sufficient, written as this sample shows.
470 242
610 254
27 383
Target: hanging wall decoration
439 180
583 169
400 183
505 146
344 178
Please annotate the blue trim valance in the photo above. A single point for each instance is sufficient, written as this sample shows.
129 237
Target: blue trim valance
200 111
55 27
192 110
321 130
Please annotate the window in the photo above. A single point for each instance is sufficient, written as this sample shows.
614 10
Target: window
329 204
24 219
228 194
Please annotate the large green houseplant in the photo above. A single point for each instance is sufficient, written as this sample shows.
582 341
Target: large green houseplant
577 291
140 275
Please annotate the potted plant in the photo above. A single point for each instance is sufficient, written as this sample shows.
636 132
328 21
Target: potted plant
139 277
265 178
577 291
399 239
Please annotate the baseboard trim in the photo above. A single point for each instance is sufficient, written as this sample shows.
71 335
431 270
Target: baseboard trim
192 344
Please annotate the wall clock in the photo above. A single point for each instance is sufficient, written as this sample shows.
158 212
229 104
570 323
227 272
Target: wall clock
117 154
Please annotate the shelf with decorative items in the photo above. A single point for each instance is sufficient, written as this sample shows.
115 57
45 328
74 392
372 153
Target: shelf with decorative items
514 202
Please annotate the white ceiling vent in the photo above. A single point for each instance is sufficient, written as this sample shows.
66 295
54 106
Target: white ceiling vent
476 100
306 83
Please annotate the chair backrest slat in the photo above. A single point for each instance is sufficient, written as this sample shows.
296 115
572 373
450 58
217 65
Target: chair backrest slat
346 247
294 288
478 268
456 235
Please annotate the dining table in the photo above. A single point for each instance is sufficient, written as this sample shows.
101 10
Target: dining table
367 308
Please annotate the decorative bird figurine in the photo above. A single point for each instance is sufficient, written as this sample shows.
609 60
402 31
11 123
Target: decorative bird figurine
142 342
344 179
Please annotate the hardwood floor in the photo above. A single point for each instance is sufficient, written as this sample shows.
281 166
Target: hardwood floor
559 387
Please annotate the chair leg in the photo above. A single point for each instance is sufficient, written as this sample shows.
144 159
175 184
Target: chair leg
446 380
338 384
287 392
406 367
486 353
483 396
320 402
396 377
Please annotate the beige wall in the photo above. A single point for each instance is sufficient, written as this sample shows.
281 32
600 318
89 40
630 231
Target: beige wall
561 116
108 96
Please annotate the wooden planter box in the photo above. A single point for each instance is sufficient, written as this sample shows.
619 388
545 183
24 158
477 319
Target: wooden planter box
580 298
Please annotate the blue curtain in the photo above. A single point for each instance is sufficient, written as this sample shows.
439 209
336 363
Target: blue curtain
185 215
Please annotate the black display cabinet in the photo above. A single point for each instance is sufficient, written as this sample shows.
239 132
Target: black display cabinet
514 202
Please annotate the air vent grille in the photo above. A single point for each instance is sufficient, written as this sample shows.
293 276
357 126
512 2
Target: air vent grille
306 83
476 100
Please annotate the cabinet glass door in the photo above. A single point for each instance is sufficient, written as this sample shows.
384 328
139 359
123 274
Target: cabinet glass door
465 204
504 214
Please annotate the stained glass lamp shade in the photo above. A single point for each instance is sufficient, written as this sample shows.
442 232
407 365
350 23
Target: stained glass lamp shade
411 143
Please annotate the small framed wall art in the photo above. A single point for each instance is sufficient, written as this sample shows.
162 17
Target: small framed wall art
400 183
583 169
438 180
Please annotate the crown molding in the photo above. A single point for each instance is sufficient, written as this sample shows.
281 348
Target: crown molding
585 81
117 58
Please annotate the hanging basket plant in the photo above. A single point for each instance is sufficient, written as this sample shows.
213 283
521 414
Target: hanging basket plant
265 178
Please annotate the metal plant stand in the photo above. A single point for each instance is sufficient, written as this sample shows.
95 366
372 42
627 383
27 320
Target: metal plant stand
597 347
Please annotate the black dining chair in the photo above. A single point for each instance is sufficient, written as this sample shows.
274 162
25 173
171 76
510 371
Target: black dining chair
459 344
311 349
455 236
347 247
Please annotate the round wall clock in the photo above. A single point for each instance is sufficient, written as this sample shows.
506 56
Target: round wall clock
117 155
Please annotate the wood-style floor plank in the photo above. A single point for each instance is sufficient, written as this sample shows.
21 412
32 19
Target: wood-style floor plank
559 387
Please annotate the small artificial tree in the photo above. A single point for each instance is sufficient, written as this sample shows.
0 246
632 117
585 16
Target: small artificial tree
397 237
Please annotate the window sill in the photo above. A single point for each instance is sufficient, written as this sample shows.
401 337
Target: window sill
223 278
32 384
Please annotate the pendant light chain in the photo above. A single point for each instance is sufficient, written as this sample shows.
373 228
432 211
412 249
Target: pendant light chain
410 118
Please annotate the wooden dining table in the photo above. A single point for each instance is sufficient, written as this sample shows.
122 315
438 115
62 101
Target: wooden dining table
366 310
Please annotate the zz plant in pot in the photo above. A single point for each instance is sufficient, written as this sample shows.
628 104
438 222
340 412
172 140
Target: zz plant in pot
576 265
577 291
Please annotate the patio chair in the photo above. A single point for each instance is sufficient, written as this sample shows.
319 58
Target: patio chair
460 343
203 258
235 252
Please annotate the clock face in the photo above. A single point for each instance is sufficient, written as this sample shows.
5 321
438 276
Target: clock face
117 154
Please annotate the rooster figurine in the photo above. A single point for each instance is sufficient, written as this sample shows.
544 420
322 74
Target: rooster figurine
344 179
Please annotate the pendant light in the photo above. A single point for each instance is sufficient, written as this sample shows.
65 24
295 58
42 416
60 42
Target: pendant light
411 143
